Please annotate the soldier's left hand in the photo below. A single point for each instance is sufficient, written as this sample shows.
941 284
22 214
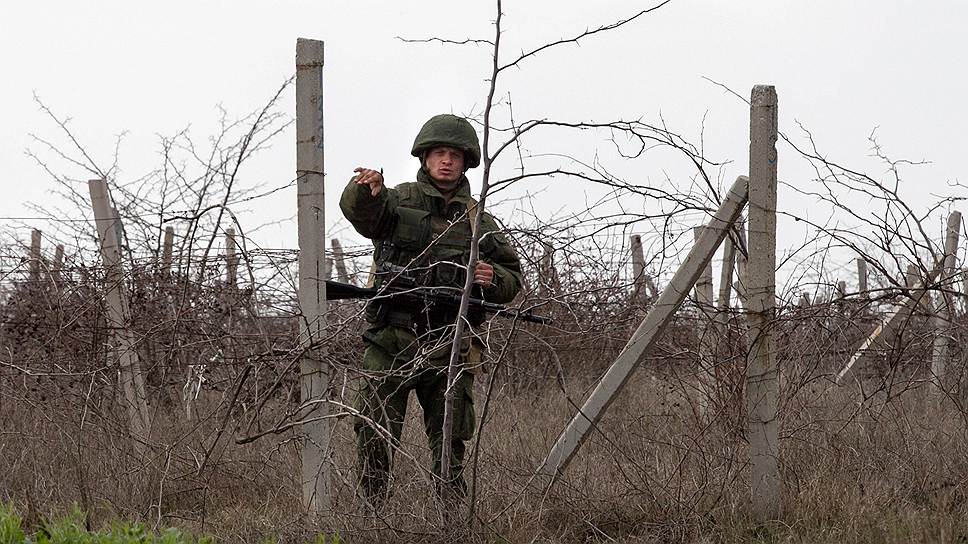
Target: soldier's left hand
483 274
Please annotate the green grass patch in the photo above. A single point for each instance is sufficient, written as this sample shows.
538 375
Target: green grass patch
70 529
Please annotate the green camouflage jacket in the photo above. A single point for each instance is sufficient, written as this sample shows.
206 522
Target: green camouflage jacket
410 226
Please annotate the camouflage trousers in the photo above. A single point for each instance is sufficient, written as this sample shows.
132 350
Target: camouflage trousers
382 402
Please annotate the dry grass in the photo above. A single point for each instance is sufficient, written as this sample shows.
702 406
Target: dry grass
882 463
884 471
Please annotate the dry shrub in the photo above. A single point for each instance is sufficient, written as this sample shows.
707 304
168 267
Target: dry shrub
885 462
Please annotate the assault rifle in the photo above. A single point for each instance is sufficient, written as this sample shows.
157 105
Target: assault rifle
408 293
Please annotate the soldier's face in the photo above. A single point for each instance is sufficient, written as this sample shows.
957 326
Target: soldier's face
445 164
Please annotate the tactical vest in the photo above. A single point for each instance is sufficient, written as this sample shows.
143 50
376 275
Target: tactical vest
433 246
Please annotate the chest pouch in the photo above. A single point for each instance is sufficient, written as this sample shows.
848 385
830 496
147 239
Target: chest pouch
412 232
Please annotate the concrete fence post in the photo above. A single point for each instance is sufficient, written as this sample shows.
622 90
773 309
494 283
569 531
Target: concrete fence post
644 337
762 375
639 290
862 277
118 314
941 320
742 263
314 371
892 323
964 288
231 260
726 279
705 328
34 255
166 251
339 261
56 272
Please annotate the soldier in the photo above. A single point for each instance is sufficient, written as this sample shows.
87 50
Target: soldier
423 227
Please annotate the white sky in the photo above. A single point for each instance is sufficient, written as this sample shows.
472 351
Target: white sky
149 68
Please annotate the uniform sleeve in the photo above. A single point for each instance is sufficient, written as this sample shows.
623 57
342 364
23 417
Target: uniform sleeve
500 254
371 216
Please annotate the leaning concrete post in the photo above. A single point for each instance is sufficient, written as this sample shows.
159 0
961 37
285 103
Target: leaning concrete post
118 314
118 229
892 323
761 374
704 285
231 260
34 256
315 373
944 313
645 336
703 293
338 260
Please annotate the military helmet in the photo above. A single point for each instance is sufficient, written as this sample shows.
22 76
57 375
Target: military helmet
451 131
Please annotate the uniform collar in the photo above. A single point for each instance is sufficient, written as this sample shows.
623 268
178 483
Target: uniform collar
462 195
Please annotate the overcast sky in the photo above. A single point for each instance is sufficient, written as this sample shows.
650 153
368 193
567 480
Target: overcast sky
149 68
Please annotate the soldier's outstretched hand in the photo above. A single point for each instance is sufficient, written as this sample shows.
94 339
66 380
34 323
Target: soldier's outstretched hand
373 178
483 274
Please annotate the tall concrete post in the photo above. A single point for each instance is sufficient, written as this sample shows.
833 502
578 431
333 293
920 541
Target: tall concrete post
35 237
638 270
742 263
703 293
941 320
340 262
314 372
231 260
166 251
862 276
762 375
57 271
726 279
